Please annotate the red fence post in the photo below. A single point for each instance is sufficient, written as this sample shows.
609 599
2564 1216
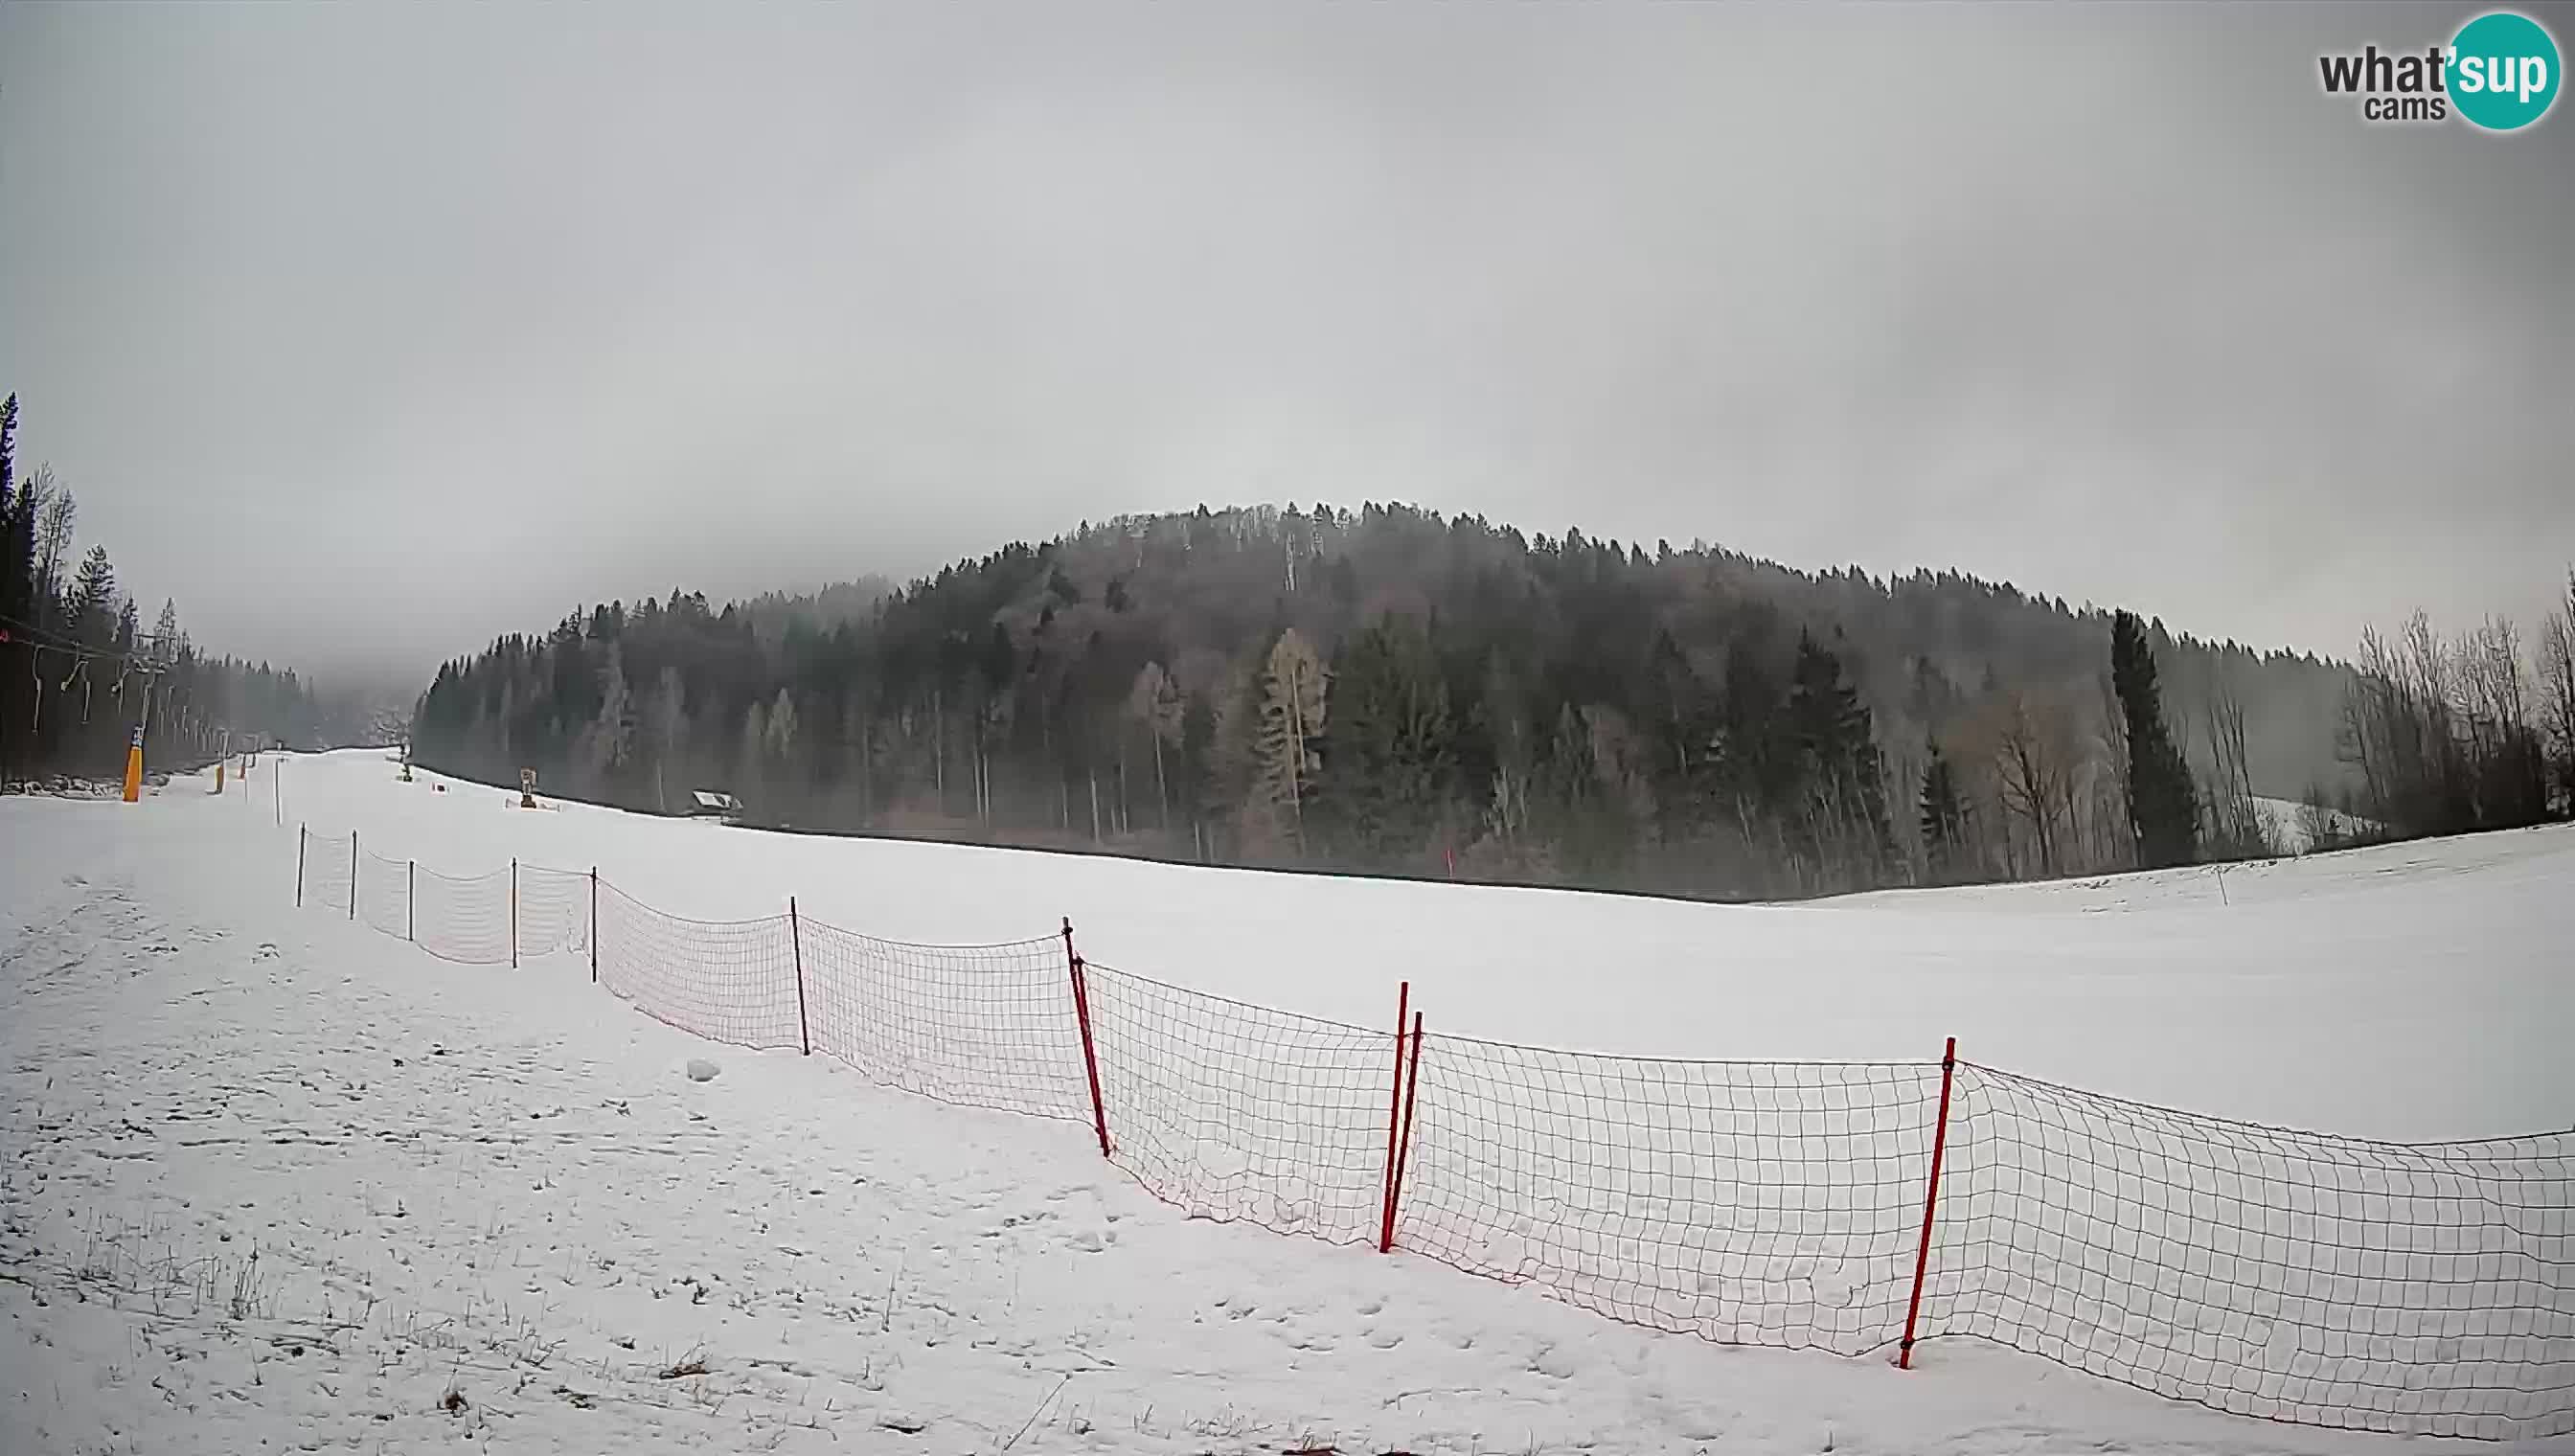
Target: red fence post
1089 1053
411 901
796 941
353 874
1403 1148
1930 1202
1393 1121
301 835
594 924
514 912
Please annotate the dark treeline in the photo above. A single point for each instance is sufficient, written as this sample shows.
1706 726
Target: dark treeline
78 671
1391 689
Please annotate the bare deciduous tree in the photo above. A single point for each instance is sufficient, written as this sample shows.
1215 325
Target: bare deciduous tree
2119 833
2236 826
2033 764
2508 780
1155 703
55 514
2557 692
2442 732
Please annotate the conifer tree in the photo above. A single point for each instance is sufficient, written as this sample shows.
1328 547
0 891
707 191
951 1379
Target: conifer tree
2163 808
1846 797
93 600
165 633
1944 827
1386 757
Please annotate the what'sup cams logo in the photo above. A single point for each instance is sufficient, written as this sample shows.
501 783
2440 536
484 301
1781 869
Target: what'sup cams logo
2501 73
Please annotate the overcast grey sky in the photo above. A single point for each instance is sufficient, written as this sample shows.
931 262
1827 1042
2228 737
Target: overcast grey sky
369 331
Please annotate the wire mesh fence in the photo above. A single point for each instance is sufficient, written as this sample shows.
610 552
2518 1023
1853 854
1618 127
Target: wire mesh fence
1767 1204
973 1025
725 980
326 872
2417 1289
466 921
1240 1114
2410 1288
384 894
552 910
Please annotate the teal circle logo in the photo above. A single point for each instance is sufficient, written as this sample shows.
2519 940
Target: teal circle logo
2503 71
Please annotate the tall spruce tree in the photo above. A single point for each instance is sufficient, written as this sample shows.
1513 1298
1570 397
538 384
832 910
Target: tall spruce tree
92 609
165 633
1387 754
1944 823
1846 810
2163 810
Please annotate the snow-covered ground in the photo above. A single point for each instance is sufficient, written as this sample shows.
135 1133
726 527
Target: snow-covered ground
271 1178
2410 991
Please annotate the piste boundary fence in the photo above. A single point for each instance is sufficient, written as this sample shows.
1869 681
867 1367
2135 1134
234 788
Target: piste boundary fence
1851 1207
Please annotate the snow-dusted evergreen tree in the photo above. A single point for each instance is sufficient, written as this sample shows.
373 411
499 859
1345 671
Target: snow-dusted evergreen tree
1156 704
1293 690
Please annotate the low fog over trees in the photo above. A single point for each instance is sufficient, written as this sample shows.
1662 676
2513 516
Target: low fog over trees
1391 689
78 670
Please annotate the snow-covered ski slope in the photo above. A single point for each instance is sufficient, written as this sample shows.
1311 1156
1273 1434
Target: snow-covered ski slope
2414 991
502 1185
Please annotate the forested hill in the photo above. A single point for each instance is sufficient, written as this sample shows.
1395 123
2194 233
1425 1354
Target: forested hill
1394 690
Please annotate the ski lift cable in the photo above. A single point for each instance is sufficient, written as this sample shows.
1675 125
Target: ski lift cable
47 640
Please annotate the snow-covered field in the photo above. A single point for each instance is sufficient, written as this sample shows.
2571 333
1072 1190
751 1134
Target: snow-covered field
272 1177
2413 991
